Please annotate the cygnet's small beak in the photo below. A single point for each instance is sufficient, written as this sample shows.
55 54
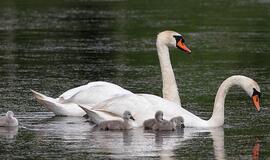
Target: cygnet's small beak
256 102
132 118
180 44
182 125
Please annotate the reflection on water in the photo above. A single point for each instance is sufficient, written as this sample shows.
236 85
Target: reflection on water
8 132
256 150
77 137
76 134
52 46
218 142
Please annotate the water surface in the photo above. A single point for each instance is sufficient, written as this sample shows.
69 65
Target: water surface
52 46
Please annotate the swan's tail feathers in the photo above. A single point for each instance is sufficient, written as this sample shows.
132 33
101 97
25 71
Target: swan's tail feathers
65 109
38 95
43 100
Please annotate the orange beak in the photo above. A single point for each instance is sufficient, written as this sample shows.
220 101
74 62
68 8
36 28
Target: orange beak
256 101
183 47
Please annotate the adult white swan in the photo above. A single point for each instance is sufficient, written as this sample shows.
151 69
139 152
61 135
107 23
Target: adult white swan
96 92
90 94
144 107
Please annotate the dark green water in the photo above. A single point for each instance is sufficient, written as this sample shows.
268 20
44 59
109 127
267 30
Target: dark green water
52 46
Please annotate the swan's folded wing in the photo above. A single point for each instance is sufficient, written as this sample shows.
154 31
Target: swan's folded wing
71 92
118 105
139 107
92 93
97 116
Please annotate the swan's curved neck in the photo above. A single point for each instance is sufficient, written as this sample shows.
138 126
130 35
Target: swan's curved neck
170 90
217 118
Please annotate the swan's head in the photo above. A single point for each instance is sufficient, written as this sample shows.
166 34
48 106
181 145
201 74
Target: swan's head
172 39
159 116
127 115
251 87
9 114
256 95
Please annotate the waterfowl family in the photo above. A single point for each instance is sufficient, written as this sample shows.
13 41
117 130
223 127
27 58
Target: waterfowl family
161 124
118 124
95 92
143 107
8 120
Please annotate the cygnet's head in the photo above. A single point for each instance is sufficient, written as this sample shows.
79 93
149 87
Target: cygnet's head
9 114
127 115
179 121
159 116
172 39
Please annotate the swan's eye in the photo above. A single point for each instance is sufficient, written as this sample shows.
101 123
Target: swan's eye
177 38
255 92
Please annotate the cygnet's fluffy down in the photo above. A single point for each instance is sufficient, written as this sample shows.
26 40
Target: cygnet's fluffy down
160 124
9 120
117 124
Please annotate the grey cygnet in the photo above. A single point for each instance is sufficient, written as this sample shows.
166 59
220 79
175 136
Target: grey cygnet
9 120
160 124
118 124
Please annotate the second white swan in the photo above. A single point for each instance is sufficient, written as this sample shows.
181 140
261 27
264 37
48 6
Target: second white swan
144 107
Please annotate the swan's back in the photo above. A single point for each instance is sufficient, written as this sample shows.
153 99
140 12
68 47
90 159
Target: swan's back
92 93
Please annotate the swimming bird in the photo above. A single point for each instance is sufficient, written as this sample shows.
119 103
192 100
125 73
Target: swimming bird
9 120
90 95
93 93
117 124
161 124
143 108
